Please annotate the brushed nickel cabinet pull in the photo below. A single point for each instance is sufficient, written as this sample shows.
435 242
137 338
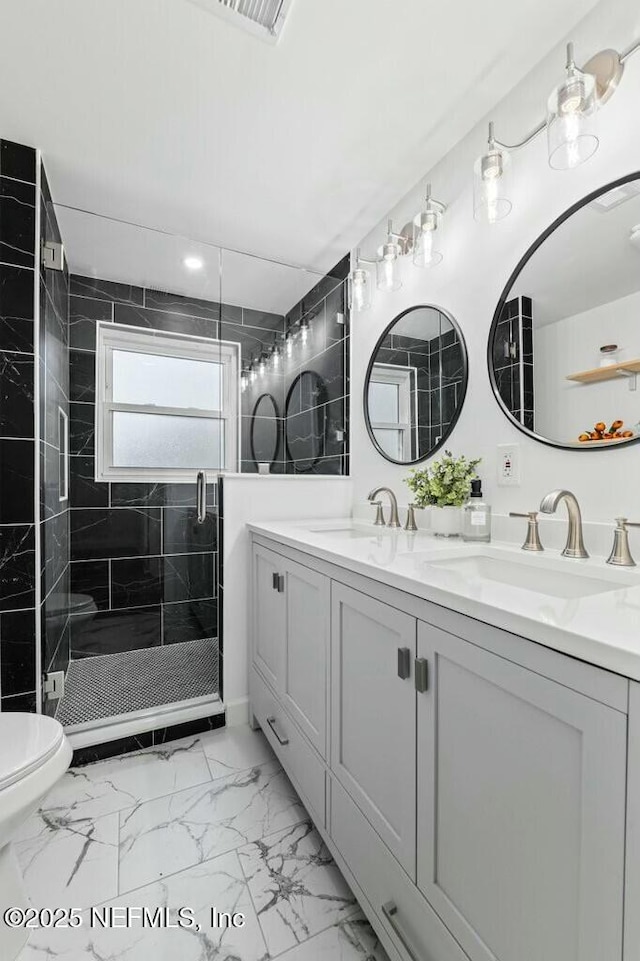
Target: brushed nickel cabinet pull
390 911
271 721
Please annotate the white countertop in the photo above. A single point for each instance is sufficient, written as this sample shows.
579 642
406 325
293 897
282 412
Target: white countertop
601 625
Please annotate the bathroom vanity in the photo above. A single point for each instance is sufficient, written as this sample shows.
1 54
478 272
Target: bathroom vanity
463 731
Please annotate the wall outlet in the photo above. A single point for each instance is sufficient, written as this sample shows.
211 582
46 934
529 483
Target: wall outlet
508 465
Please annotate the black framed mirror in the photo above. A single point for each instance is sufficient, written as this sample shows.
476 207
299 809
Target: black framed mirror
264 436
564 346
306 421
416 384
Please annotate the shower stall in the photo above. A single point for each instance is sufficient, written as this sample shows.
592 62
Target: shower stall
158 365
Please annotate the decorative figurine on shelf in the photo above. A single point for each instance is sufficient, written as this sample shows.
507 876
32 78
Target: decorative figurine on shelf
600 432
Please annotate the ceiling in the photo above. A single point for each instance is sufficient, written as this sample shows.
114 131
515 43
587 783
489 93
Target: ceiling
587 262
159 113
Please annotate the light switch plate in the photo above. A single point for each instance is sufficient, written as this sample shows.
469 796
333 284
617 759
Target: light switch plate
508 465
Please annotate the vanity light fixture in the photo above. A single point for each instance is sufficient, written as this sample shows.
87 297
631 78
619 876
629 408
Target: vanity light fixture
244 379
193 263
571 118
359 284
304 330
262 365
252 373
387 273
425 227
491 177
288 343
276 355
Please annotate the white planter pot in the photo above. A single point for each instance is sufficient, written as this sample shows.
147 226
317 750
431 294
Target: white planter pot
446 521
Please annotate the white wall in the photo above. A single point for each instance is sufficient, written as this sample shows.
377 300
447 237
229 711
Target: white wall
250 497
565 408
478 261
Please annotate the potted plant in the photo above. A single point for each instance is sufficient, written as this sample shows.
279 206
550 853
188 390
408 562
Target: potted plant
445 486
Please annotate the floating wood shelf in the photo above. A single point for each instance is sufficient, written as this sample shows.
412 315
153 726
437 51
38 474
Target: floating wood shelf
628 368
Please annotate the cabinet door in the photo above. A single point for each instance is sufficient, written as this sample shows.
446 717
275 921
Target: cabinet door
521 803
268 614
373 715
304 686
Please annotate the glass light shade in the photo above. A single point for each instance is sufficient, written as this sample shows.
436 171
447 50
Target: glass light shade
359 289
491 186
387 272
571 121
426 233
304 331
275 357
288 344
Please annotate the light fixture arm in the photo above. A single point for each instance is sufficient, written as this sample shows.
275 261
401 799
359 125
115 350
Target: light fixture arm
610 87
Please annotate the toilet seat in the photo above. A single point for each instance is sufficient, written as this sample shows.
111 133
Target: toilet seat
28 741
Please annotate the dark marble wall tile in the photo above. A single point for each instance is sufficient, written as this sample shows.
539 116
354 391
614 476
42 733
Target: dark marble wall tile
16 309
253 341
16 395
25 703
17 222
262 320
91 578
17 502
100 752
105 290
163 320
82 419
136 582
189 621
114 632
84 490
84 313
82 376
158 495
54 540
17 161
122 532
18 661
177 304
189 577
17 568
182 533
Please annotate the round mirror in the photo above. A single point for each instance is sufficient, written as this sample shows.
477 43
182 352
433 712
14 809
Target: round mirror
265 430
415 384
306 421
564 348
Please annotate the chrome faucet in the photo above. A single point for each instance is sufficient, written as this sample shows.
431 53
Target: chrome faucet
575 544
393 520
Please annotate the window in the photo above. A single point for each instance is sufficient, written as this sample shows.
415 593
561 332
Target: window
166 405
390 413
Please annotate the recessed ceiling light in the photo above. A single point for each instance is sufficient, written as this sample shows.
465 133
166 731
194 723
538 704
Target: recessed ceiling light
193 263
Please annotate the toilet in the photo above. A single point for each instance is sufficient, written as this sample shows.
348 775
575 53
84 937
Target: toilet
34 754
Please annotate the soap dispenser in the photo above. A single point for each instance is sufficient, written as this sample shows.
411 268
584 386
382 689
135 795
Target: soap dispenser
476 525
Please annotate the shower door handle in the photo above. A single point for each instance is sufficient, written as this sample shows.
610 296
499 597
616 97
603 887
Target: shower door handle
201 496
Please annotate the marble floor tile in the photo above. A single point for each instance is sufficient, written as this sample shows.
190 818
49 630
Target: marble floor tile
235 749
218 883
351 940
121 782
171 833
72 864
296 886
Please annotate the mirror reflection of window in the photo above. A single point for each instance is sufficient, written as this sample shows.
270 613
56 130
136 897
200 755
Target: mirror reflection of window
391 410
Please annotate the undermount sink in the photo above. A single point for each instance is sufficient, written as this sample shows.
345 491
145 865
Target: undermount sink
531 576
348 531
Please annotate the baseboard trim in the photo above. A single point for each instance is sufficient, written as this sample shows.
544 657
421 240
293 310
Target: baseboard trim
238 712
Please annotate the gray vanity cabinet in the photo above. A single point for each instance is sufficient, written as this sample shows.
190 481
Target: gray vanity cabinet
373 720
521 808
291 638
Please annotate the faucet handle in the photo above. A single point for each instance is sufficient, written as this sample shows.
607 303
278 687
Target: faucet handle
620 555
379 521
411 518
532 540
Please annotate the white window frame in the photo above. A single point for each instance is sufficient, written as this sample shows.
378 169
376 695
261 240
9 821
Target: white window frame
110 337
403 378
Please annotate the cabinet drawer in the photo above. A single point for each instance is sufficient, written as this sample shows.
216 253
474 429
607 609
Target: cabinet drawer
410 922
297 757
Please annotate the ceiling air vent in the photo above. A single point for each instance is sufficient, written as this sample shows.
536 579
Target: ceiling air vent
262 18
